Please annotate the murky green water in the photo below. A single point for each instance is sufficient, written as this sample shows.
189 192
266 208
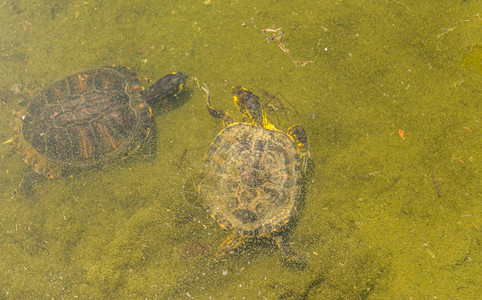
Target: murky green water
391 104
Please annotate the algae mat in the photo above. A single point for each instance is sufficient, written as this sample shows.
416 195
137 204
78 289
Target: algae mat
388 92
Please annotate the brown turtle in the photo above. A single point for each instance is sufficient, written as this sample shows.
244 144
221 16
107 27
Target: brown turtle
88 118
253 175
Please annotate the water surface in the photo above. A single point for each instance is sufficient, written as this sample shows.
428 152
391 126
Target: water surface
389 94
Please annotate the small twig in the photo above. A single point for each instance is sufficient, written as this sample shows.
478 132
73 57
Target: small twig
445 31
277 35
275 30
401 4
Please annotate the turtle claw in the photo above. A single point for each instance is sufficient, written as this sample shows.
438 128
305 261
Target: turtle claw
232 242
216 112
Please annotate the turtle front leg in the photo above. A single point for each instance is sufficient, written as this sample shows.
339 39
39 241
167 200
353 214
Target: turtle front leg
216 112
298 134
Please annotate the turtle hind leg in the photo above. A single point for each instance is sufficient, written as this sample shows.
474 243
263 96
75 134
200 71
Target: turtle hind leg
288 256
298 134
232 242
28 182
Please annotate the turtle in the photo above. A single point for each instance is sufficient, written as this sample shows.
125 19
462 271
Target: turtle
253 175
89 117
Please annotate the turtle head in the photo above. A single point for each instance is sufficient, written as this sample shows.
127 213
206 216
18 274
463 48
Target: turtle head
167 88
250 106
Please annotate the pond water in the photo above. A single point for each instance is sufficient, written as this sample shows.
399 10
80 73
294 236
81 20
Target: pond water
388 92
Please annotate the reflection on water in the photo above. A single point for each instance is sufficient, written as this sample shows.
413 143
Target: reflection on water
383 215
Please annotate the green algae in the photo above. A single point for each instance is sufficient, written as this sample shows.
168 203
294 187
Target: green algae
383 216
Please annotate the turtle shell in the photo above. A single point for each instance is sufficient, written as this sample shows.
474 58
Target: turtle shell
83 120
253 179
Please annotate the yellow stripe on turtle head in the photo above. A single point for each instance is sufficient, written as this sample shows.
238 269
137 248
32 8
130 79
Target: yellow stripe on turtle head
180 87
